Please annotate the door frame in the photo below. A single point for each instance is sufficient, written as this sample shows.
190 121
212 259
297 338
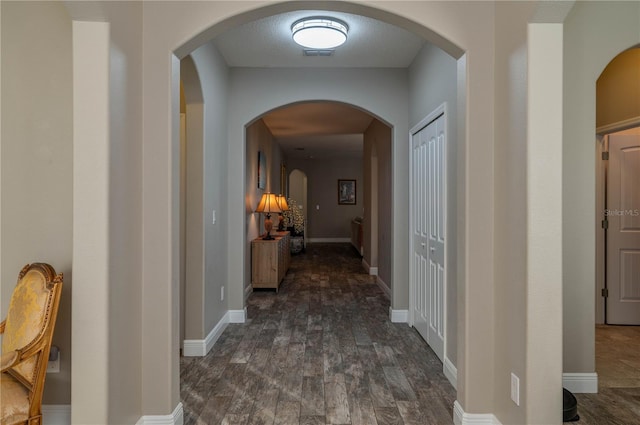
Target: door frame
440 110
601 253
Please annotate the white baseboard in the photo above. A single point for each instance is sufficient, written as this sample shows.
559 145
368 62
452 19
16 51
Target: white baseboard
373 271
460 417
581 383
238 316
450 371
56 414
247 291
201 347
398 316
175 418
328 240
385 288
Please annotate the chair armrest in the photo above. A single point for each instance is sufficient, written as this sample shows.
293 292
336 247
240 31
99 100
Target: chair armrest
2 326
8 360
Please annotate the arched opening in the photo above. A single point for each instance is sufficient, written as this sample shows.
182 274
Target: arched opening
268 89
160 267
271 93
582 222
192 231
325 143
617 211
298 190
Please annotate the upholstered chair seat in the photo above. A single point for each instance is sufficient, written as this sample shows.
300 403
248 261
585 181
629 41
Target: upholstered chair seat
26 342
15 401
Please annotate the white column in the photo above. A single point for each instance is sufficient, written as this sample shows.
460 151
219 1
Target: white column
542 386
90 296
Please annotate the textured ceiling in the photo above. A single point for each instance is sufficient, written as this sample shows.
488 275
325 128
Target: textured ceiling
318 130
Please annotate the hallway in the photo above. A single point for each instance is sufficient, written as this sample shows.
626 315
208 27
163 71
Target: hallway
321 351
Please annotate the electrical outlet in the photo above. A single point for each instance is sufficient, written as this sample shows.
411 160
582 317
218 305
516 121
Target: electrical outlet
53 366
515 389
222 293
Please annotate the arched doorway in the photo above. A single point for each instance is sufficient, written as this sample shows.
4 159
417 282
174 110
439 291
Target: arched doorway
192 230
288 86
582 68
324 142
617 110
298 190
618 134
157 244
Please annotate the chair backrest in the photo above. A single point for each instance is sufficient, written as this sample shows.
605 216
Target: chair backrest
30 321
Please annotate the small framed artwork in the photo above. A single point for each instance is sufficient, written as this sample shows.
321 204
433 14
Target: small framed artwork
346 192
262 170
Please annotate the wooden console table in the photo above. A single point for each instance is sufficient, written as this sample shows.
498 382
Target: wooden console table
270 260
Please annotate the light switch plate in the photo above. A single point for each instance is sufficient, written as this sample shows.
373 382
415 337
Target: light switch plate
515 389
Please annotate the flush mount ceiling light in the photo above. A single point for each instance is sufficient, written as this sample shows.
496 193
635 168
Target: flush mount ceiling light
319 32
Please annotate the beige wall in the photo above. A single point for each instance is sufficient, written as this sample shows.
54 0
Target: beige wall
618 89
377 206
214 77
331 221
37 159
511 206
106 385
370 198
125 224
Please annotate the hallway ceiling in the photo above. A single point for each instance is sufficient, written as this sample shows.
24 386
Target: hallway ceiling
267 43
318 130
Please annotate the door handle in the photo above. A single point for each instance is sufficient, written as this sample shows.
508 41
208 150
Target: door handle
422 244
432 249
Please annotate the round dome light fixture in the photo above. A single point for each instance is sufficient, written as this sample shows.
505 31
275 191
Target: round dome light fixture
319 32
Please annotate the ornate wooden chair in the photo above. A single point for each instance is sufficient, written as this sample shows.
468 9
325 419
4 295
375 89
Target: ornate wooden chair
27 333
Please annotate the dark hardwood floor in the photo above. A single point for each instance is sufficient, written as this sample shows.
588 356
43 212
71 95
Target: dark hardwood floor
321 351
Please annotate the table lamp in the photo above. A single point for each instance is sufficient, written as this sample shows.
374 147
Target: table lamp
268 204
282 202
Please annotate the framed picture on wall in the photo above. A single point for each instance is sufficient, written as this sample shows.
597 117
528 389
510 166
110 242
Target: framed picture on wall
346 192
262 170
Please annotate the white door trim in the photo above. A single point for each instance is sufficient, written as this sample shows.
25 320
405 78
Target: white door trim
618 126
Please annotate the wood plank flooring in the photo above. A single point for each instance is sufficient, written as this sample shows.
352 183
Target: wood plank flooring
321 351
618 367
